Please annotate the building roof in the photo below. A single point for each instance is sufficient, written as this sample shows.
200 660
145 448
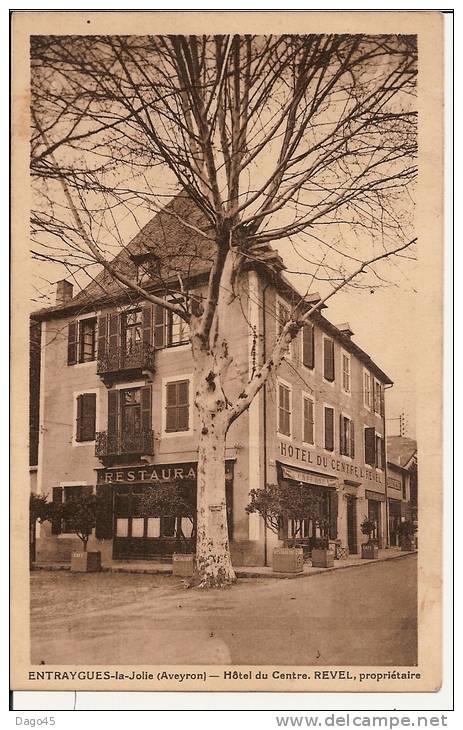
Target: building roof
401 450
183 251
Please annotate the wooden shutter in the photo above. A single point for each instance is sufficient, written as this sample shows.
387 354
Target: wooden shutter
57 497
113 332
352 439
342 440
73 334
147 323
183 405
171 407
383 453
381 403
308 346
113 413
329 429
328 359
86 417
370 446
102 335
104 512
333 497
159 329
145 399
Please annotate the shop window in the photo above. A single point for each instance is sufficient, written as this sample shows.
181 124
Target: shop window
328 359
345 372
284 409
86 417
346 436
374 515
82 341
177 406
167 526
308 424
329 428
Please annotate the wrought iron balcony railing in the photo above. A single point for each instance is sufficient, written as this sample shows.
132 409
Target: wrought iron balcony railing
137 357
124 444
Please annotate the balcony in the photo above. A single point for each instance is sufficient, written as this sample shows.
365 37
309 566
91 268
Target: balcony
109 446
117 362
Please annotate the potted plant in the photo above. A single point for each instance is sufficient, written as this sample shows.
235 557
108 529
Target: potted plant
80 517
322 555
406 531
278 503
177 500
369 548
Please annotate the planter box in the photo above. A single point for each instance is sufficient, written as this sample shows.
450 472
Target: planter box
407 544
88 562
288 560
369 552
183 564
322 558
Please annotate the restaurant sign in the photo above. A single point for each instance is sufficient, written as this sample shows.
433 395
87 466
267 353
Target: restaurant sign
155 474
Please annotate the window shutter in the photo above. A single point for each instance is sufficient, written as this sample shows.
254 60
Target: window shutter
308 345
372 389
147 322
145 397
113 413
102 335
113 332
370 446
86 417
381 401
171 407
104 512
333 496
73 332
329 429
159 330
328 359
352 439
342 440
57 497
383 453
183 406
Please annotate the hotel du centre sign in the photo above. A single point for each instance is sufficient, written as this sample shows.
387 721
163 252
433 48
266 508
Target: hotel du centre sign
322 461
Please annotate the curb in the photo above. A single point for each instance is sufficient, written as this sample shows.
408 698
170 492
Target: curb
239 573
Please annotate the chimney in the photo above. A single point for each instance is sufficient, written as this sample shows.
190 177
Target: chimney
345 329
63 291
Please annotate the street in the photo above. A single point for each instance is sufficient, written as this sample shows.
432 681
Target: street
358 616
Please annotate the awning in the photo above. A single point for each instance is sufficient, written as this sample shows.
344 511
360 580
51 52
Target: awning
308 477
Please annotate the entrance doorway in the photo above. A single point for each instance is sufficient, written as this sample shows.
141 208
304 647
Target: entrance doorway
352 525
394 521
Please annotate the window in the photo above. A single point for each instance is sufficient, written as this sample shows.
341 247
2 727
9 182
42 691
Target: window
284 409
177 406
307 420
129 421
328 359
283 316
346 436
378 397
345 372
170 330
132 331
367 389
308 346
82 341
86 417
329 428
379 452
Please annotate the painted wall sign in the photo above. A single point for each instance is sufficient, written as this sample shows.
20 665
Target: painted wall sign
394 483
312 457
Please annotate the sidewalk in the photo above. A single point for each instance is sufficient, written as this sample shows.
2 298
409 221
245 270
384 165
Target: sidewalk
158 568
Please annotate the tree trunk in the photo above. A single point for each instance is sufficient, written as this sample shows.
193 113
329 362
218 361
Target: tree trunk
213 561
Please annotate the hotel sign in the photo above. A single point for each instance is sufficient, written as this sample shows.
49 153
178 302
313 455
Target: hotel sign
321 460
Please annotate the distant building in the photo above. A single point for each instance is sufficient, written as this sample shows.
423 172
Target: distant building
113 412
402 482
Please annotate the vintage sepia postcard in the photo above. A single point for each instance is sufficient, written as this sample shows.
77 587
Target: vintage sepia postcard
227 263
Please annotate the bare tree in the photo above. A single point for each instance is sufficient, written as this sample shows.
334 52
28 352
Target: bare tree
278 137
